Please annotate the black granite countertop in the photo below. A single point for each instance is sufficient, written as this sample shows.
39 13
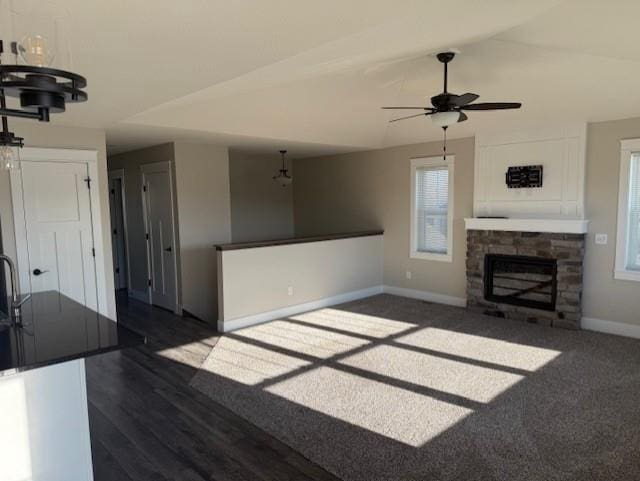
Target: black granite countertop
56 329
295 240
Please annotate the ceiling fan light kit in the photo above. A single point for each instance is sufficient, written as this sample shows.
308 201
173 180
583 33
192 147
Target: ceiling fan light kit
32 41
448 108
445 119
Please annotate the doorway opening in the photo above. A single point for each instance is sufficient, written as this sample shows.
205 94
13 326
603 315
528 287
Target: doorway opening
120 242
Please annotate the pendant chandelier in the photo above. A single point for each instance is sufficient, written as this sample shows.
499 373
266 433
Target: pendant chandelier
283 176
33 85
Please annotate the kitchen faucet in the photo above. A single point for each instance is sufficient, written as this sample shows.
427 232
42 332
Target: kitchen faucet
16 303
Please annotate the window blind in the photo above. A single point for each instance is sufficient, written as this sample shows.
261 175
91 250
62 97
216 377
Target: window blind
633 221
432 208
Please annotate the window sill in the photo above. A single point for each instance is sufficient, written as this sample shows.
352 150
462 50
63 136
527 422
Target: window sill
430 256
625 275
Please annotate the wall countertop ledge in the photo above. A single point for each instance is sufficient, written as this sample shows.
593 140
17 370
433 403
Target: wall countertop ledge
295 240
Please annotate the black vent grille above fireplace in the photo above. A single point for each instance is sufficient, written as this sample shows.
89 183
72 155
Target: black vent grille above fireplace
521 281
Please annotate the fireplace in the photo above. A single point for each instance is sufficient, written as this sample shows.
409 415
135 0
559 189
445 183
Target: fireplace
528 276
521 281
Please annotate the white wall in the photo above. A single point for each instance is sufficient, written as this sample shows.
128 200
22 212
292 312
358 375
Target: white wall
53 136
561 152
204 219
257 280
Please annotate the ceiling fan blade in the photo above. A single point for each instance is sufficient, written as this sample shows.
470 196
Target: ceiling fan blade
411 116
463 117
464 99
492 106
410 108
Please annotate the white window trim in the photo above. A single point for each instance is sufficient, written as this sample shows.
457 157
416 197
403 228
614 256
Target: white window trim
416 164
628 148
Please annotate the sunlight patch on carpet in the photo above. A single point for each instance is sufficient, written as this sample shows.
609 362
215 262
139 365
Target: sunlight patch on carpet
305 340
481 348
479 384
354 322
248 364
395 413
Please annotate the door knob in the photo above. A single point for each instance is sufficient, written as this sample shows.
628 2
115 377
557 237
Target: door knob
37 272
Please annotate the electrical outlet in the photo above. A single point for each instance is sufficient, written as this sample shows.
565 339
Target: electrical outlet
601 239
290 290
408 274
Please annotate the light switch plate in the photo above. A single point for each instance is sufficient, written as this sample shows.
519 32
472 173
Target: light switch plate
601 239
408 274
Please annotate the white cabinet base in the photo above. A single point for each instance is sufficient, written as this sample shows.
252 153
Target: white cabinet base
44 425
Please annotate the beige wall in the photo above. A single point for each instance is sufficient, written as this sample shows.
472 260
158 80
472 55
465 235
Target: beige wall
204 217
369 190
53 136
604 297
261 209
257 280
137 246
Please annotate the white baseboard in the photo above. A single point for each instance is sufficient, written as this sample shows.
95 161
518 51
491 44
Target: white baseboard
611 327
587 323
426 296
240 322
140 296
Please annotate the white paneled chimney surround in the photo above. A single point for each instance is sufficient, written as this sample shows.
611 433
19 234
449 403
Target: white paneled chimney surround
557 206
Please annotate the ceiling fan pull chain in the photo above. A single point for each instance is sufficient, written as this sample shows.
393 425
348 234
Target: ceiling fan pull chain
444 144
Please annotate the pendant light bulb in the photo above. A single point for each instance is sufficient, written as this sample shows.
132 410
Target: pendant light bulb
35 50
7 158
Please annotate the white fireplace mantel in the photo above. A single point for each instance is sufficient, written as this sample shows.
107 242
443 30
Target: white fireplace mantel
563 226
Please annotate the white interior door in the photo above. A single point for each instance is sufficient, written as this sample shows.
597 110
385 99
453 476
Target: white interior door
159 219
116 204
57 212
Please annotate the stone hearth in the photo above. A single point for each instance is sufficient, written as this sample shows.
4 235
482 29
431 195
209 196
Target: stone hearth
566 249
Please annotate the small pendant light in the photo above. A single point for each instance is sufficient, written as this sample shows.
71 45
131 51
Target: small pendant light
283 176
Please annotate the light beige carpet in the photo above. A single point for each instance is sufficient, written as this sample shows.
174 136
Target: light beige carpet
389 388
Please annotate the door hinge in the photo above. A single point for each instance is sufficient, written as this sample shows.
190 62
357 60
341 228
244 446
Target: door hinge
144 188
149 282
88 181
146 236
93 251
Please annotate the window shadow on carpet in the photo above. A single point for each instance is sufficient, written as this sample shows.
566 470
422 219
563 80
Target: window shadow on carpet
391 388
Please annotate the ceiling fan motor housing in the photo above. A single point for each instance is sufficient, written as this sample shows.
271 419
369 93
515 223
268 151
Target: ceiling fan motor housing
443 102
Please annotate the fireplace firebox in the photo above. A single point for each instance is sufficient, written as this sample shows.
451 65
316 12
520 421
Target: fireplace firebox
521 281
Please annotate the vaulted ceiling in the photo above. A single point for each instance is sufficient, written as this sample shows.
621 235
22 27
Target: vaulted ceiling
312 76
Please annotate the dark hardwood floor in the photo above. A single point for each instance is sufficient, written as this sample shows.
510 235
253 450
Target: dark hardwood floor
147 423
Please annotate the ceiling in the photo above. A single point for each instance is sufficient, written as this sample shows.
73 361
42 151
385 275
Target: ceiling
311 76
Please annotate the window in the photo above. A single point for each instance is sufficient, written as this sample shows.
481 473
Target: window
628 241
432 208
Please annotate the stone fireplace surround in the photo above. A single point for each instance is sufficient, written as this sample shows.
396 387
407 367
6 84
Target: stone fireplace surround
566 248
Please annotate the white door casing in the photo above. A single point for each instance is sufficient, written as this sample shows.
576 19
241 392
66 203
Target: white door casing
159 218
105 298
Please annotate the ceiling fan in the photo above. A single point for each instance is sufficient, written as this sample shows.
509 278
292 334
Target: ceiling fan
447 107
